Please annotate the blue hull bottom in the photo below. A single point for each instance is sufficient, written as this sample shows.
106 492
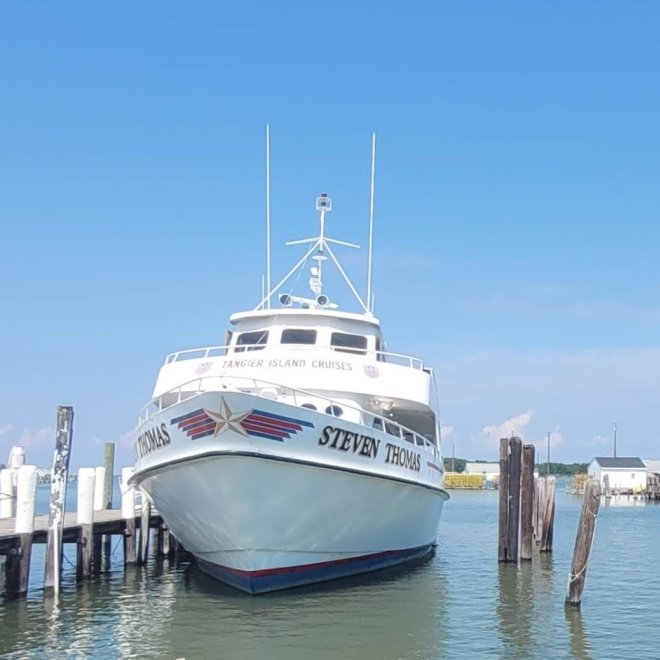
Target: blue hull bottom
254 582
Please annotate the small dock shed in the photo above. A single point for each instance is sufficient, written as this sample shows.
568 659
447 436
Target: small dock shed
625 474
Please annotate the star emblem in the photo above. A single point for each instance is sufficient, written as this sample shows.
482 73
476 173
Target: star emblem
226 420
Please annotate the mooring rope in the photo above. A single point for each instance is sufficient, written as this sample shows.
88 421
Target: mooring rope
571 577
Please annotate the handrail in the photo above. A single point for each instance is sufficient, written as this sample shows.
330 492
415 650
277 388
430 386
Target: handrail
205 352
259 383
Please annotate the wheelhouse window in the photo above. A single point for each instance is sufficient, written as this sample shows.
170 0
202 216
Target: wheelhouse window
251 341
346 343
298 336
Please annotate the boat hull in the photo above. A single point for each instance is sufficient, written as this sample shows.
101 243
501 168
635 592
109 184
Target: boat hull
262 520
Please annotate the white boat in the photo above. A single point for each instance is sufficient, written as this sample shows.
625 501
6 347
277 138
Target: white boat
301 450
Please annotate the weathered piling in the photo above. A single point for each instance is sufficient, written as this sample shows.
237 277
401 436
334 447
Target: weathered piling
144 532
515 453
547 531
7 494
527 502
128 514
583 542
85 518
109 467
539 507
18 563
503 500
59 478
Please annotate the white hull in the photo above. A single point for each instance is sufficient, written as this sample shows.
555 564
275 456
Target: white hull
264 513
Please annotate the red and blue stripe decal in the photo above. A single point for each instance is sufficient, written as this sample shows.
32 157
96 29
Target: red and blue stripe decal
196 424
271 426
259 423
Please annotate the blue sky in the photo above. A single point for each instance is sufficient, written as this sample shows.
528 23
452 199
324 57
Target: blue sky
516 212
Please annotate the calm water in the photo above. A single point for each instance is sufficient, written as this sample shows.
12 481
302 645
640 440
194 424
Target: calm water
458 604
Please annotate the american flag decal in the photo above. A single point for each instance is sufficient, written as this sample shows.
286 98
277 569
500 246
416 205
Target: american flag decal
258 423
371 371
196 424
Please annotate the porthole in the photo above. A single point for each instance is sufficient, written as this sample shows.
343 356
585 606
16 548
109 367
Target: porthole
311 406
336 411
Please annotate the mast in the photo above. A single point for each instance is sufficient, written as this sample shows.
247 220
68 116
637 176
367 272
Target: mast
369 298
267 297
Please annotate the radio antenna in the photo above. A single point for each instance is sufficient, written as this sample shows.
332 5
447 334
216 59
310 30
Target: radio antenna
371 221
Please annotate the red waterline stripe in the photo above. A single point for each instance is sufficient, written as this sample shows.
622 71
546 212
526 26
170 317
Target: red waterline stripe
320 565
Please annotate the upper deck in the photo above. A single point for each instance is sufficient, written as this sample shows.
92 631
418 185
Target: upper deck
320 350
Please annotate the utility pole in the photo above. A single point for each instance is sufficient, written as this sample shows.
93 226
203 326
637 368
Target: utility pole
614 439
547 473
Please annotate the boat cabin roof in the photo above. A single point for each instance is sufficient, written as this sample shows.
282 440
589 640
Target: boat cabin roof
321 315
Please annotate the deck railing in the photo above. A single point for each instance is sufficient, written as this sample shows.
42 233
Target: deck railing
222 351
193 388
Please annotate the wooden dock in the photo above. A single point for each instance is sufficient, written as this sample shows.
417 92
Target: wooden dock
105 522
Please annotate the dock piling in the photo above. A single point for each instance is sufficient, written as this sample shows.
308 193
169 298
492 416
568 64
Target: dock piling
548 515
7 494
145 516
85 518
18 563
583 542
515 452
527 502
59 477
128 514
503 500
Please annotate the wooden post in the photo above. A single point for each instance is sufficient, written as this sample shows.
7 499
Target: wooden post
85 518
527 502
59 478
504 500
18 563
606 486
128 514
583 542
7 494
540 509
166 545
109 464
548 515
515 452
145 516
109 467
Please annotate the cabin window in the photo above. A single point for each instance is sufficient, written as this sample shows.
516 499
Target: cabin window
298 336
378 423
251 341
346 343
336 411
379 355
392 429
309 406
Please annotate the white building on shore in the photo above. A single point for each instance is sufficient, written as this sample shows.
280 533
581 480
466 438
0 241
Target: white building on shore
625 474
